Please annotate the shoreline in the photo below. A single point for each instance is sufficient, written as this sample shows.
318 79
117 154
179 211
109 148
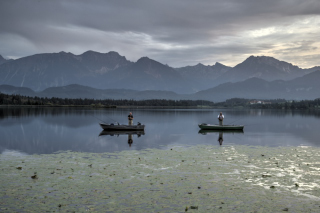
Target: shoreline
114 107
154 107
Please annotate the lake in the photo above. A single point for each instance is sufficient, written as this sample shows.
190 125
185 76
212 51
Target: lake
51 130
56 160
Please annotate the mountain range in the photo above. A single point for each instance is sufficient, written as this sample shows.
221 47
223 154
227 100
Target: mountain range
301 88
110 75
74 91
202 77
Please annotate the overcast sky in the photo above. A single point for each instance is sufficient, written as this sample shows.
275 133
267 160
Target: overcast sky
173 32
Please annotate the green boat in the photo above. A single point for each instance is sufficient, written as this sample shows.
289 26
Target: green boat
222 127
231 131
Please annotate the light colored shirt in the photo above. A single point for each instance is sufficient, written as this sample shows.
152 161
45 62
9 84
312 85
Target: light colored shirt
221 116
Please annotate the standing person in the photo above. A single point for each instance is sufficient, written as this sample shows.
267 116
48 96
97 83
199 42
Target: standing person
220 118
130 118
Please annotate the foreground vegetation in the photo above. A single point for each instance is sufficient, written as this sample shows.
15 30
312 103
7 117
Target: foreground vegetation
179 179
18 100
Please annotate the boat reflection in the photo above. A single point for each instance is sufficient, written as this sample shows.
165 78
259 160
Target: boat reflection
220 135
129 133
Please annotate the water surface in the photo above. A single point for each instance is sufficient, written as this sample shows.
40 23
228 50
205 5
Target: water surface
169 168
50 130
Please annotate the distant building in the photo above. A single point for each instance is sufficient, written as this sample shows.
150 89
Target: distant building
259 102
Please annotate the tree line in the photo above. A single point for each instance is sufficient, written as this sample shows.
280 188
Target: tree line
19 100
303 104
270 104
40 101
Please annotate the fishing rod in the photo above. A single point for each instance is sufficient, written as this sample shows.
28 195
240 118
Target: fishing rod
112 119
104 121
253 124
235 121
99 119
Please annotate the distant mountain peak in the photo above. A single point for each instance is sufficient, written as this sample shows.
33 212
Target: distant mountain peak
113 52
147 60
260 58
264 59
63 53
264 67
219 65
144 58
89 52
148 69
2 60
216 64
267 60
199 65
102 58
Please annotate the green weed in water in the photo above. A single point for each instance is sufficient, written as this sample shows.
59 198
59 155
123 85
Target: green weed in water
201 178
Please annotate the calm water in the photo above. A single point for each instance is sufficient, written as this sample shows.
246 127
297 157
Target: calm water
50 130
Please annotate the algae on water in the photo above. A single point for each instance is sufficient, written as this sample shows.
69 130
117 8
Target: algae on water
199 178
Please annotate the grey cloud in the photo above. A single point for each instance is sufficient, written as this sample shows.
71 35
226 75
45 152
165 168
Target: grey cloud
305 61
196 25
147 16
299 46
205 54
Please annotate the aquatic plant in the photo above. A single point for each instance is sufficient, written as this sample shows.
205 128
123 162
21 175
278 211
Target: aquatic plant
202 178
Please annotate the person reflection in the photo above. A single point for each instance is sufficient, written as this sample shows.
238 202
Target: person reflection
220 138
130 141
